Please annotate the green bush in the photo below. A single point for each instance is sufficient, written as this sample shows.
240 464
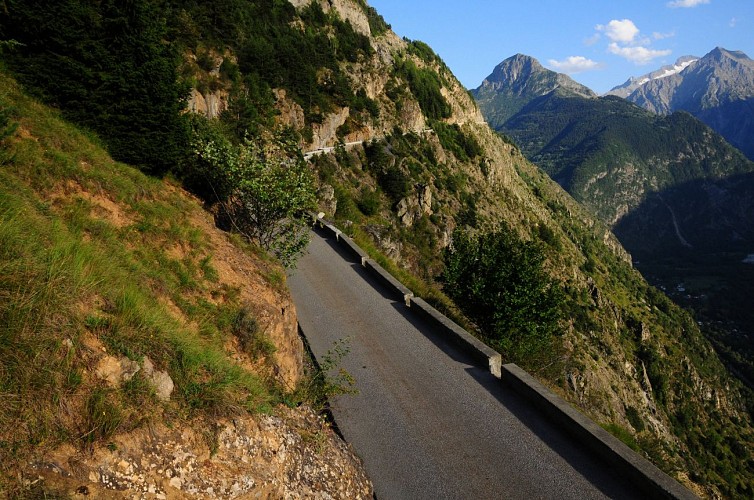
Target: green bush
263 194
369 202
394 182
346 207
501 284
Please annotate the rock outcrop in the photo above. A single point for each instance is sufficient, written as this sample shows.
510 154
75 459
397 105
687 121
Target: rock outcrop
291 453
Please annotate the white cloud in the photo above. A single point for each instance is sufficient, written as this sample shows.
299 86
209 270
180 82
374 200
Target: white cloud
637 54
686 3
623 31
574 64
733 22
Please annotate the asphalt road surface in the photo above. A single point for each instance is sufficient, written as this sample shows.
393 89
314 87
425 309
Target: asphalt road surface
427 422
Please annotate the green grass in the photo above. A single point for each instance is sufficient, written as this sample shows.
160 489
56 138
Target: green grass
69 273
622 434
429 292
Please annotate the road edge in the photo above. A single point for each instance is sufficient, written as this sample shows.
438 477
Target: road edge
648 477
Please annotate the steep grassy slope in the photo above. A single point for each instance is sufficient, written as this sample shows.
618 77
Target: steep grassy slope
105 272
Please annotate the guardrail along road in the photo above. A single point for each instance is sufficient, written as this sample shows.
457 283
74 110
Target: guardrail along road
427 422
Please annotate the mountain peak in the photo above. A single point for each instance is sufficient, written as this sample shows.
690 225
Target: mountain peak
524 74
514 68
722 58
719 52
517 81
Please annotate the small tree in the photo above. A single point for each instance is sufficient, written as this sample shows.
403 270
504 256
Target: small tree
264 192
499 281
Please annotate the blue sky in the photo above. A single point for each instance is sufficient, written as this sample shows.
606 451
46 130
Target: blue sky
600 43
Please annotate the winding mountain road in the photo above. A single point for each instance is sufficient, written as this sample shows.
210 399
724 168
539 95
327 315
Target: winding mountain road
427 422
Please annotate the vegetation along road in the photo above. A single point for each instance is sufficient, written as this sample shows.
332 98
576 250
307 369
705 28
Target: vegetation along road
427 422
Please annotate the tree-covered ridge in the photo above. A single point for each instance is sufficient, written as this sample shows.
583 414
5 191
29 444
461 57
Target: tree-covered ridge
109 67
577 140
114 67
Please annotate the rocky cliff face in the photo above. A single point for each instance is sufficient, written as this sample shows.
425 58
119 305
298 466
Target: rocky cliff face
348 10
292 454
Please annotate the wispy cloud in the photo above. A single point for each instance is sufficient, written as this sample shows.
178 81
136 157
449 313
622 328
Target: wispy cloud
637 54
623 31
592 39
662 36
686 3
574 64
733 22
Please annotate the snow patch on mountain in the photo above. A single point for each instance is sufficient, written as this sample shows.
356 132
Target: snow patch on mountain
634 83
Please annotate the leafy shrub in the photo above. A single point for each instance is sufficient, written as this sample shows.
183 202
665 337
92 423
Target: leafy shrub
346 207
361 102
501 284
394 182
548 236
369 202
263 194
634 418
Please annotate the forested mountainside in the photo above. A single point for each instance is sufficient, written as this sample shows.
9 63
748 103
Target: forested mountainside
414 168
676 194
718 89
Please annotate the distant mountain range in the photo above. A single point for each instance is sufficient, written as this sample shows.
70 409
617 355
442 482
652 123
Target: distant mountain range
634 83
718 89
607 152
679 197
